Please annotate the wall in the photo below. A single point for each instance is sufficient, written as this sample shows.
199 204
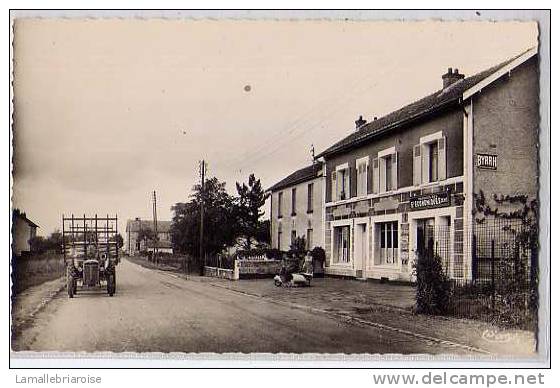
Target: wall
23 232
506 124
404 140
302 220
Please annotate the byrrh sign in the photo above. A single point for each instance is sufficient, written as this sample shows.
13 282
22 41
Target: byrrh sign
429 201
487 161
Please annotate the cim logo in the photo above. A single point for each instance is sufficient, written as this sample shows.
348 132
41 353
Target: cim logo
487 161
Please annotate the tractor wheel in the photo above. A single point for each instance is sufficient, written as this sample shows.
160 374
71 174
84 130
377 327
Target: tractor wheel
111 284
70 284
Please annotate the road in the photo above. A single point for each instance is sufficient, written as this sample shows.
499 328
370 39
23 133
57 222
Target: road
154 311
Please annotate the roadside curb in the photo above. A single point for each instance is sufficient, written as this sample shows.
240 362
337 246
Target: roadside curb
44 301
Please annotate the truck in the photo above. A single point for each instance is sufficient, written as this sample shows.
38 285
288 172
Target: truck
91 253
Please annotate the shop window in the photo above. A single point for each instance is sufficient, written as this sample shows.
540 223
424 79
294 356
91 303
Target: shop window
387 242
341 251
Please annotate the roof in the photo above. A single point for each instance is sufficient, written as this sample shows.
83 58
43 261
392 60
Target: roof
23 217
432 103
302 175
136 225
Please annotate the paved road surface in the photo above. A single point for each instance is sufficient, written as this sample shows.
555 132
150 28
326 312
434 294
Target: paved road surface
158 312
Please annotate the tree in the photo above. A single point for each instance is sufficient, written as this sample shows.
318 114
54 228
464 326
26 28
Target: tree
145 235
219 222
251 198
119 239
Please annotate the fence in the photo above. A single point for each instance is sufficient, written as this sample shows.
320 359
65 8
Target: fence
501 270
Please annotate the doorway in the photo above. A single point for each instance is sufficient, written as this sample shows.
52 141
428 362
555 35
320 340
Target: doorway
361 250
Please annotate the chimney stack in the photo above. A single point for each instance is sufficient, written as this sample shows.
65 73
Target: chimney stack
451 77
360 122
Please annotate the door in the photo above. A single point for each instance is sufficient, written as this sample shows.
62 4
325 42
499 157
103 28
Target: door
424 236
363 232
361 250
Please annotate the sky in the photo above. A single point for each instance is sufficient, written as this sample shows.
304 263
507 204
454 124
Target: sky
108 110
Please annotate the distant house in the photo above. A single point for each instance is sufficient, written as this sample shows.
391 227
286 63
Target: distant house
23 230
133 228
296 208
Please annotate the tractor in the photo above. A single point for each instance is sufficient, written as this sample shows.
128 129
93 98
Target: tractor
91 253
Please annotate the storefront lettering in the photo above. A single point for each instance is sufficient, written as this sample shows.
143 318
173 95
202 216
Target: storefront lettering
429 201
487 161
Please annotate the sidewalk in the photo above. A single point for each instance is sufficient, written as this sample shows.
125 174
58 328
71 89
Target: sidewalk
389 305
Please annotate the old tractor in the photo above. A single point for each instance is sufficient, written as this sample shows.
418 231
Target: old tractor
91 253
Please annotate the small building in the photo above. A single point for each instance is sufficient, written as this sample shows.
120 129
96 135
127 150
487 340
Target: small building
396 179
23 230
296 208
133 229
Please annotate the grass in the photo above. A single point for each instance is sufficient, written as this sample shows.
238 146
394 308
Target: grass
30 271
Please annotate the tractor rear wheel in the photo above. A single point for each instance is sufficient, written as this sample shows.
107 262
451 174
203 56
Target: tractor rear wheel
111 284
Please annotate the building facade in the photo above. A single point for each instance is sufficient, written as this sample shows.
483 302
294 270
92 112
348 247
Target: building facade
23 231
134 245
418 169
296 208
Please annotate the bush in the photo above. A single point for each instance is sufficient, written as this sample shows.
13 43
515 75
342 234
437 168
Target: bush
297 249
318 254
433 288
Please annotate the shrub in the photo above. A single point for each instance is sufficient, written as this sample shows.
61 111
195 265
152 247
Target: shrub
318 254
433 288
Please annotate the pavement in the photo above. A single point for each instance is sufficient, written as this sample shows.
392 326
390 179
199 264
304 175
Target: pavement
158 311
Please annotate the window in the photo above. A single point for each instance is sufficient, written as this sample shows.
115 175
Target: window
310 198
430 159
294 201
385 171
362 177
279 236
309 239
294 236
341 252
342 184
388 242
433 161
280 195
388 173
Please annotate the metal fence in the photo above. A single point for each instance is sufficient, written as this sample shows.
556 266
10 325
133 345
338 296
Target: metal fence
493 270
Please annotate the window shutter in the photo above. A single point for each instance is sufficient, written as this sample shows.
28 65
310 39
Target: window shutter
359 174
376 175
333 186
442 159
417 165
394 171
349 174
382 175
425 155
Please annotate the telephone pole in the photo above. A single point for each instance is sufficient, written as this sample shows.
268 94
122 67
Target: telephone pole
154 210
202 197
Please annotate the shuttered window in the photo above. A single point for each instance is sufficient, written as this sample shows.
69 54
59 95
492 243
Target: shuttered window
362 177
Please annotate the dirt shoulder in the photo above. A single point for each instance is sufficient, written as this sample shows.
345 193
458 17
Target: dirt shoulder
30 302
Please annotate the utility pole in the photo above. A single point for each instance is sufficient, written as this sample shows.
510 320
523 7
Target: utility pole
202 197
154 204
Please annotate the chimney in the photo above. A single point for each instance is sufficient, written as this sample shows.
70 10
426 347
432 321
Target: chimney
451 77
360 122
